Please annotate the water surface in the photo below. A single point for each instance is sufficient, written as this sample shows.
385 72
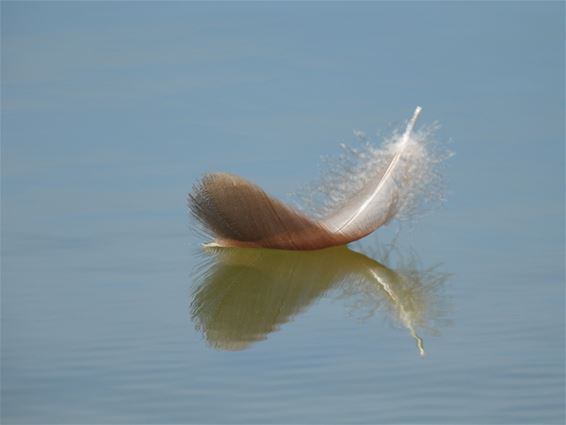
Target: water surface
112 312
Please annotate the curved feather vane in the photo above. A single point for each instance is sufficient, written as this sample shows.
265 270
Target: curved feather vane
238 213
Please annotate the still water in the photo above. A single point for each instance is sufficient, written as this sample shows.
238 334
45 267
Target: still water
156 330
112 312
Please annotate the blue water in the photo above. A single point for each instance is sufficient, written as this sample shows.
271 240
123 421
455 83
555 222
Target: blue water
111 311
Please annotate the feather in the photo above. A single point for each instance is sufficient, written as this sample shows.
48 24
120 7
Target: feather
236 212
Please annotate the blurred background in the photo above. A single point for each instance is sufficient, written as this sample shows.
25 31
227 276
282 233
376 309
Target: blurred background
112 111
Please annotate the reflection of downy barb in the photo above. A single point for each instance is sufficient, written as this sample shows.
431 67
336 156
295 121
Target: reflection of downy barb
408 294
245 294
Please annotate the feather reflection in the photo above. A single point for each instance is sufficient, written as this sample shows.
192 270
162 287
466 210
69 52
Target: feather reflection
243 295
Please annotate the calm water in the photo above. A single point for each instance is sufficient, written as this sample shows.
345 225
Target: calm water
111 311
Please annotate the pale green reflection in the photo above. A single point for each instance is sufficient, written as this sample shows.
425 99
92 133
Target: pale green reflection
245 294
